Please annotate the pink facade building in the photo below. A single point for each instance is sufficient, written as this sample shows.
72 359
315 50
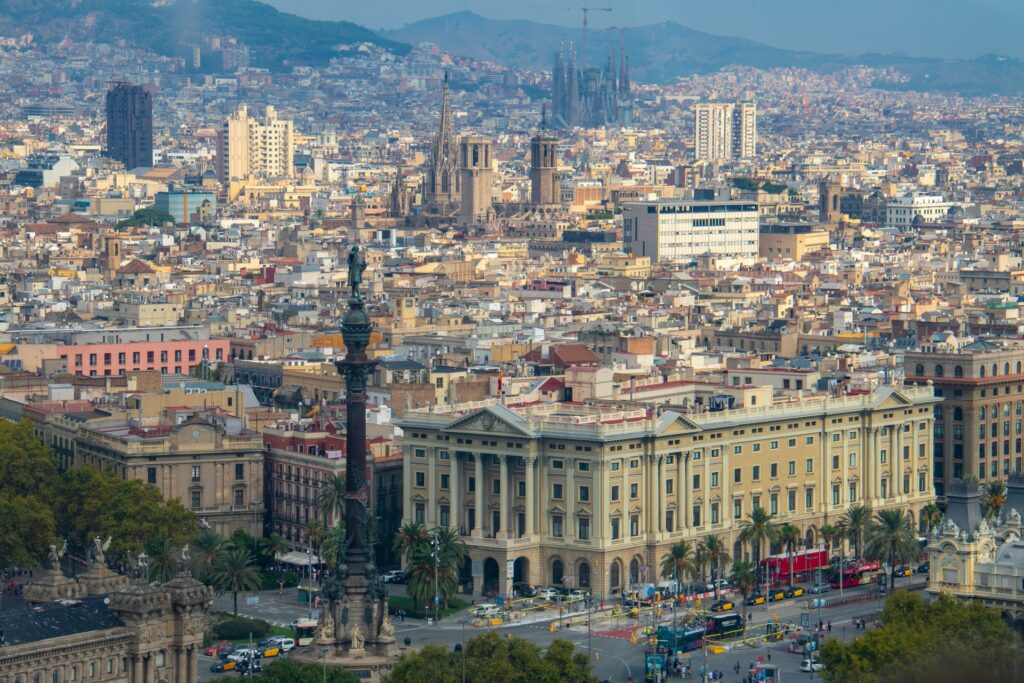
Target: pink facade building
168 357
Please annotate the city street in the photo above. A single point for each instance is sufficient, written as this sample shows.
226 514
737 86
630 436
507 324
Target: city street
615 657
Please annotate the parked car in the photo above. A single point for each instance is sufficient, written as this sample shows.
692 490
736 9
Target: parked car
755 599
284 642
269 650
820 588
776 594
218 648
809 665
723 606
548 594
224 665
794 592
923 568
523 590
486 609
395 576
243 653
904 570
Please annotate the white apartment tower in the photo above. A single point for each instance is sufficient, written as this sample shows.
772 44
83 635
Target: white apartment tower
255 148
725 130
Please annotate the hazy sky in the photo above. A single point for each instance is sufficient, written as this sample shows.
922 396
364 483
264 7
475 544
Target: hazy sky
937 28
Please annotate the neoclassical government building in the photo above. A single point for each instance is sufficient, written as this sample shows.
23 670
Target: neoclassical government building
593 494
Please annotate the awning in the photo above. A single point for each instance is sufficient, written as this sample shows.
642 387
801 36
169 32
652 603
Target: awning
298 558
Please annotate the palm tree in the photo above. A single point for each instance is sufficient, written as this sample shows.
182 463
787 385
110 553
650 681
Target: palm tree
855 523
714 549
408 538
236 572
206 549
427 573
789 534
163 558
272 546
332 497
892 539
993 498
315 536
679 562
931 515
756 529
744 579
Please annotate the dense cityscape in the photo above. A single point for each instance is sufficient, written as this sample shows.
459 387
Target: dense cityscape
406 365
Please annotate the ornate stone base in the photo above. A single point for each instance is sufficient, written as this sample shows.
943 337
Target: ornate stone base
100 580
366 665
53 585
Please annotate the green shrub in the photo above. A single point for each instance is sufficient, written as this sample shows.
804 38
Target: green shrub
239 628
269 581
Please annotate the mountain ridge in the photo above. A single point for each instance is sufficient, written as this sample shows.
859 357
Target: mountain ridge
662 52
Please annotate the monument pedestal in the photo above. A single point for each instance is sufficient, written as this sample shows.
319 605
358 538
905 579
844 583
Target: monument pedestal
52 585
99 579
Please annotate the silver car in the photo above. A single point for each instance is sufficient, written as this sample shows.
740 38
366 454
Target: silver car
821 588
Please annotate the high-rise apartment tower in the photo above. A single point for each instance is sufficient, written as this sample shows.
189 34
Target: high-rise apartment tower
130 125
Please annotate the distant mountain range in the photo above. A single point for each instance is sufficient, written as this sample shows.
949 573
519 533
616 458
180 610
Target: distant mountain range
660 53
275 39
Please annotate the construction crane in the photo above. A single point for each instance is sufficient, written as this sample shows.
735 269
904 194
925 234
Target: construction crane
586 9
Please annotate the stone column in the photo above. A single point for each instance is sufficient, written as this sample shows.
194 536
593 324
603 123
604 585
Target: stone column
432 487
570 501
503 475
598 503
683 488
454 489
193 663
181 665
869 466
481 496
137 669
531 506
408 514
659 509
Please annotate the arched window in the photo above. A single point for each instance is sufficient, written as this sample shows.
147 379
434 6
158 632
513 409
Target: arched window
1006 368
613 575
919 369
1006 409
938 371
1018 367
981 413
981 371
556 572
584 577
995 369
634 571
958 371
958 413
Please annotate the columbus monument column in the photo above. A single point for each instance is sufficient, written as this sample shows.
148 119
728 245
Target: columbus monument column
354 623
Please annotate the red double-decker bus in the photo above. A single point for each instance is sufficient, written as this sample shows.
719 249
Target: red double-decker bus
776 569
854 574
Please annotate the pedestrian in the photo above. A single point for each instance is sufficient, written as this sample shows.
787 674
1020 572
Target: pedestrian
769 655
829 627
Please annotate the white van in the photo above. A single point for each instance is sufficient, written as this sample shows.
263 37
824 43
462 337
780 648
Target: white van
286 644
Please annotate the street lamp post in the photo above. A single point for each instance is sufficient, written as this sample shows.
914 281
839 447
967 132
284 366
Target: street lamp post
309 588
324 650
463 622
437 600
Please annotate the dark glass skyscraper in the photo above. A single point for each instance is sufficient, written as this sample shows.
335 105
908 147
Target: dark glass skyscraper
130 125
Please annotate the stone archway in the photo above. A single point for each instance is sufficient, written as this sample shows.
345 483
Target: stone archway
521 570
583 575
615 577
557 571
466 575
809 537
492 576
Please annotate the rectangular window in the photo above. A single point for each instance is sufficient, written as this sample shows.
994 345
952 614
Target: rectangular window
584 525
881 456
472 484
714 513
853 493
736 450
496 487
835 462
755 473
195 472
791 443
444 515
808 498
774 445
521 488
737 475
809 441
615 528
615 493
421 479
634 525
556 491
773 470
853 459
791 468
668 487
634 491
420 512
696 481
556 526
835 494
239 471
737 508
773 502
557 464
151 475
920 482
444 481
239 497
791 501
584 494
714 479
696 515
670 519
756 448
583 466
196 501
809 466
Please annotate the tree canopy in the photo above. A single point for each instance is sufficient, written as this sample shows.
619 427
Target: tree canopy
27 475
285 670
943 641
489 657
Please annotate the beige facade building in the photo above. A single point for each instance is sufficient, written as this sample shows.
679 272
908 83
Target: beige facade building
597 493
475 165
255 148
208 461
